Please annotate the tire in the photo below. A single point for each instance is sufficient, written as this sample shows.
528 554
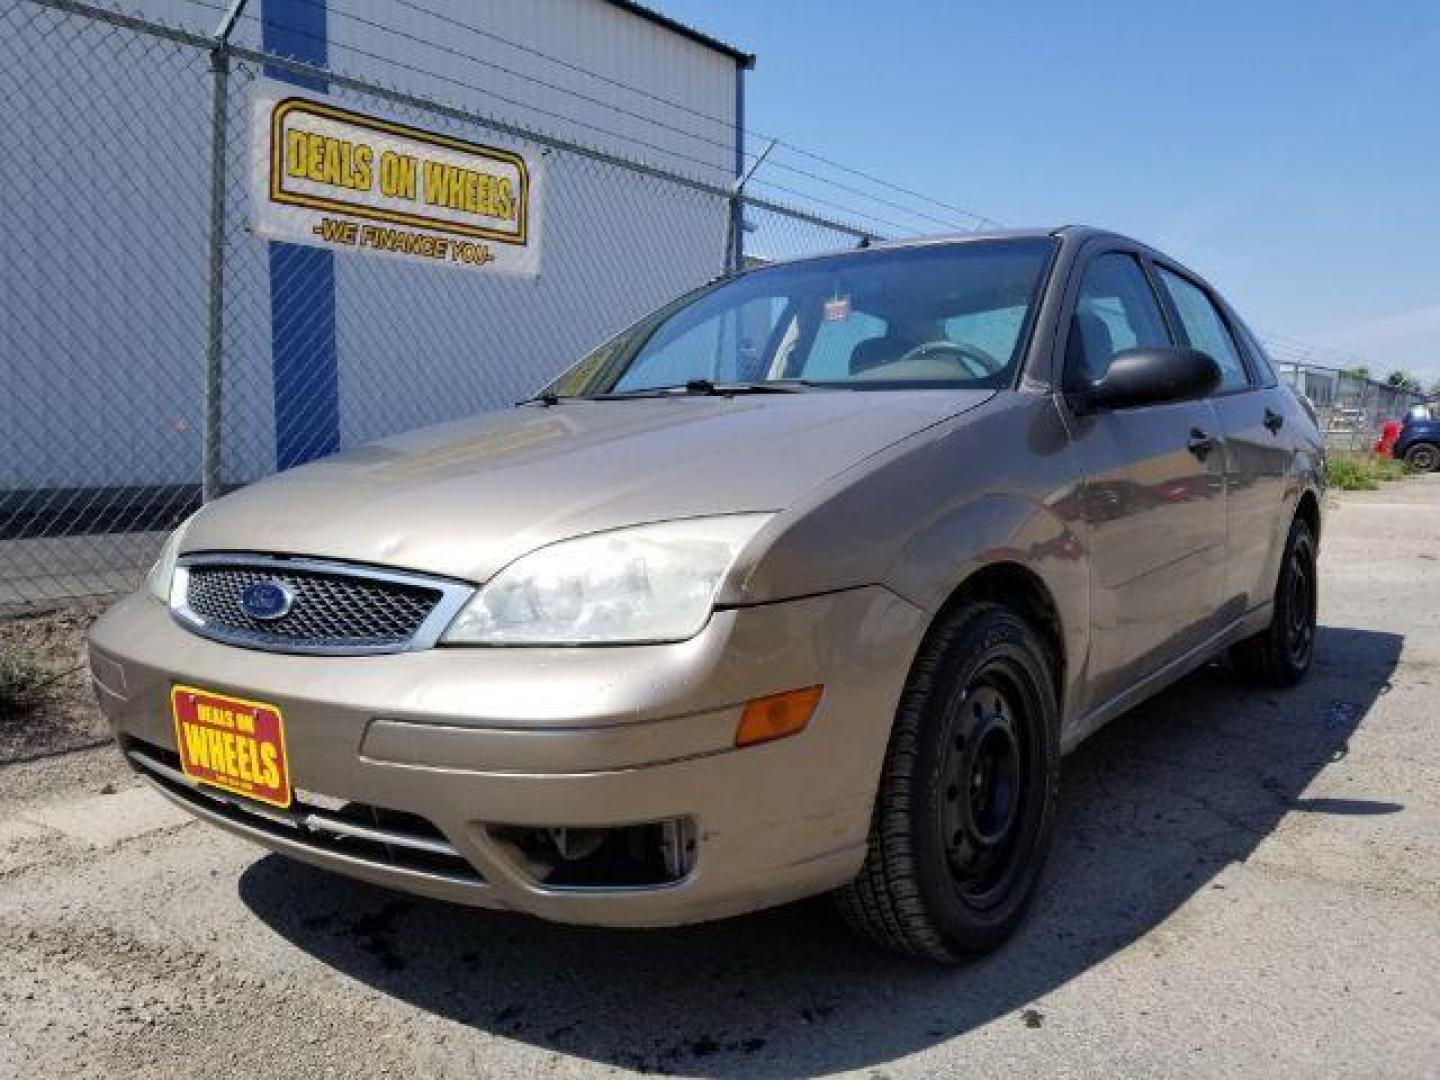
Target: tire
966 804
1423 456
1280 655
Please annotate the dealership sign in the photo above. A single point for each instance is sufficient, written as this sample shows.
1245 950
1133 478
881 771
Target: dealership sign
340 179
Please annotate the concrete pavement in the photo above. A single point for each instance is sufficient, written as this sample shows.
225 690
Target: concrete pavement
1245 882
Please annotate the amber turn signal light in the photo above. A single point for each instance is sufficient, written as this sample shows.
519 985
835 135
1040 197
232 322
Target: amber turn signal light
777 716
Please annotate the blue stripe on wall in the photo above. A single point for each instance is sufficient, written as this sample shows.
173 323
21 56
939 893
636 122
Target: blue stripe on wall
302 279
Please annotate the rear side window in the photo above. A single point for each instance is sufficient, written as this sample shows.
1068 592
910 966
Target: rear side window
1116 310
1206 330
1259 358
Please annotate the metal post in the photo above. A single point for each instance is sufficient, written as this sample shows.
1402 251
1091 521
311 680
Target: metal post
735 243
215 323
210 476
735 249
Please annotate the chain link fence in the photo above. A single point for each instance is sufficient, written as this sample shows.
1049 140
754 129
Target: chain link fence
1352 409
155 351
142 319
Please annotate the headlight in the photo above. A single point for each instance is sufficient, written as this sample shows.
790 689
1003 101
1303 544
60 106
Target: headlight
163 572
644 583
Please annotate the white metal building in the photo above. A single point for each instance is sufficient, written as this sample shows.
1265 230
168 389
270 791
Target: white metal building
106 322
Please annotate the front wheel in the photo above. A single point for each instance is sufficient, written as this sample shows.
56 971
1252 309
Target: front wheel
1280 654
1423 457
966 805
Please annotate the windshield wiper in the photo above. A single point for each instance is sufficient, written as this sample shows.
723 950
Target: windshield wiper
710 388
693 388
548 398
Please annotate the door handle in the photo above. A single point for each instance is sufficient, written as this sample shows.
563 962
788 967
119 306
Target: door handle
1274 421
1201 443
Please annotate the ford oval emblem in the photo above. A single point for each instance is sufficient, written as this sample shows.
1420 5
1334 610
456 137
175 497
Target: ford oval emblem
266 600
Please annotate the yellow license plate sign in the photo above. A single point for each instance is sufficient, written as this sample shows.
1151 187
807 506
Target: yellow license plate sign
231 743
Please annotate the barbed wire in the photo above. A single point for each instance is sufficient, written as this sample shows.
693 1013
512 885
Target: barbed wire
686 133
727 124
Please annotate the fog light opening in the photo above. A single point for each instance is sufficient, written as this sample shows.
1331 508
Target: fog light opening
628 856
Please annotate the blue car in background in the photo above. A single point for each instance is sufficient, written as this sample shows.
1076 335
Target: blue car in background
1418 444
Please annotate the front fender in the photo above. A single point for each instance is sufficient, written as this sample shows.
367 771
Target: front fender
990 530
1003 530
998 484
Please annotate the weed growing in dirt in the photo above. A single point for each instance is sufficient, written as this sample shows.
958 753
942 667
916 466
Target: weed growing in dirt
1363 472
20 677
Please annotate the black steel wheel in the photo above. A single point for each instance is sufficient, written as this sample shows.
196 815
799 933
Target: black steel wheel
1301 596
1281 654
966 803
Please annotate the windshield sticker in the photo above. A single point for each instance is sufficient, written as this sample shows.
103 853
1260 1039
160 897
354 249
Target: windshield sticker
838 309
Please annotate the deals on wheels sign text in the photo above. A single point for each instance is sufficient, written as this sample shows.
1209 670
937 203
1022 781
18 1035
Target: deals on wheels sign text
340 179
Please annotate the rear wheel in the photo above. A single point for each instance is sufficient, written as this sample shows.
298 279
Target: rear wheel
1280 654
966 804
1423 456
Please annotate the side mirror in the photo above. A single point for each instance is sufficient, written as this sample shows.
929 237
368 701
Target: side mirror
1152 375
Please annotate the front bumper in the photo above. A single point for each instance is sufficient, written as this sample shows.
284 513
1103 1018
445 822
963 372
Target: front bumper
477 740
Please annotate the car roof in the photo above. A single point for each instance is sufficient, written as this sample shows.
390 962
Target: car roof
1073 234
1036 232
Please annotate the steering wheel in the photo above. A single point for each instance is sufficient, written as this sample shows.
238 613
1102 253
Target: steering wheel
959 352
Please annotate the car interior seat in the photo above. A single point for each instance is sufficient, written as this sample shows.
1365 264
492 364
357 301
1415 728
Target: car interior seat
876 352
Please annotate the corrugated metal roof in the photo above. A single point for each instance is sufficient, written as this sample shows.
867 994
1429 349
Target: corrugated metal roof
744 59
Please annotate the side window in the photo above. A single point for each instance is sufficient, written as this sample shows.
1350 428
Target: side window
1206 329
1259 358
1116 310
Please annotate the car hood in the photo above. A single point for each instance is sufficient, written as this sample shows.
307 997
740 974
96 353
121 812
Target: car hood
466 498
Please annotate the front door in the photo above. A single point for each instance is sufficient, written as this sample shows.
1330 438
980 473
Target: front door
1257 451
1153 494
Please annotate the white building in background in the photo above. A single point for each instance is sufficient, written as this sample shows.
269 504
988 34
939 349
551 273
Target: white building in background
104 330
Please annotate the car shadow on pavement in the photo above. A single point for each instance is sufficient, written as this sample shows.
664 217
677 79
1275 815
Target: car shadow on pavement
1152 808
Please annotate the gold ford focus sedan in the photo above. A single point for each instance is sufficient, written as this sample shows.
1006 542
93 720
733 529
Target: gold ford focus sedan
803 584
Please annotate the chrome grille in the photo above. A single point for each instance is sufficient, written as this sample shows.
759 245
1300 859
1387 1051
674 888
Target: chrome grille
335 608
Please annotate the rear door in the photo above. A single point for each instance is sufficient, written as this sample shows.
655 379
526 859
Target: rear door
1257 447
1152 501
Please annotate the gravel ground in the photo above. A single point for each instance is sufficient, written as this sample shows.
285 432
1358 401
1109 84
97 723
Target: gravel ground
57 712
1244 882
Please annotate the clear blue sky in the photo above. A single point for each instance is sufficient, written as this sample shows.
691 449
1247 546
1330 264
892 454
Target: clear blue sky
1289 151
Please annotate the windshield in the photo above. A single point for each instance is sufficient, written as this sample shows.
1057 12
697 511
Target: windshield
942 315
